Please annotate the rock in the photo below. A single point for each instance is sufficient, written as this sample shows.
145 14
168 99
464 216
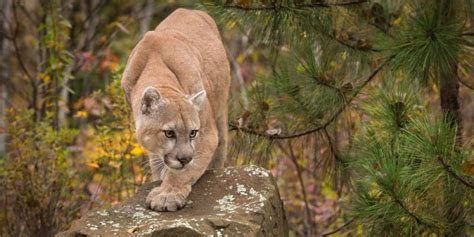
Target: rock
235 201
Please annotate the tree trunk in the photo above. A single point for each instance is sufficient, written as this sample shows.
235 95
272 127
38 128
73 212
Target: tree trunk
449 99
5 72
146 15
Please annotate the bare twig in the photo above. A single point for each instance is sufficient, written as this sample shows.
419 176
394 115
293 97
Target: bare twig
319 127
338 228
22 64
91 13
331 145
17 49
308 222
27 14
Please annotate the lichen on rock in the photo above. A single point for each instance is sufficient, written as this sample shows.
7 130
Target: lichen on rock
231 202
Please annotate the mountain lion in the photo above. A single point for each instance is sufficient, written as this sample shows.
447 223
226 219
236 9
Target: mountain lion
177 82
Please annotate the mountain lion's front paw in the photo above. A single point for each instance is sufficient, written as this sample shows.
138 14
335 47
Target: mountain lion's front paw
165 198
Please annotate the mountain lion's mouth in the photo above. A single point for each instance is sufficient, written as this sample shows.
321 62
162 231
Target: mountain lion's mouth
173 164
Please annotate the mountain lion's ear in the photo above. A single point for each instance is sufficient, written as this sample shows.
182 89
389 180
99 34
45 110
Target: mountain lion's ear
150 100
198 99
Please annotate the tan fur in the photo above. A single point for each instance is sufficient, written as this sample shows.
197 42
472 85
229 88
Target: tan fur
164 81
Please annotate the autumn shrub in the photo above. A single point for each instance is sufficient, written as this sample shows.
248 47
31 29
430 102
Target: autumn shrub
41 183
69 149
116 163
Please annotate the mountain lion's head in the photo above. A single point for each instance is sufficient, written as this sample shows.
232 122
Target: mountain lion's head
168 126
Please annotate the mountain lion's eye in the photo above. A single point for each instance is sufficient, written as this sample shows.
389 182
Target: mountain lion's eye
169 134
193 133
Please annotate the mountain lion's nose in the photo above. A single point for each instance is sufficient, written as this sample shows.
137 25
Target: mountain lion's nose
184 160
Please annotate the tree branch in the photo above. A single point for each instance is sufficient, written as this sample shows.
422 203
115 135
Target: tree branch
342 4
275 7
332 148
17 49
465 83
339 228
405 209
368 48
319 127
453 174
19 58
402 205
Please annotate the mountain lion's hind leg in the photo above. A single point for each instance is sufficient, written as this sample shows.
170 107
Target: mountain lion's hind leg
220 155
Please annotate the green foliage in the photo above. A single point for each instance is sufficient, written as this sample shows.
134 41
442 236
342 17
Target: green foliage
317 63
428 42
407 162
273 20
407 171
393 108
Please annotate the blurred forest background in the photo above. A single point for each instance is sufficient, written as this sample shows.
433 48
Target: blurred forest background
363 110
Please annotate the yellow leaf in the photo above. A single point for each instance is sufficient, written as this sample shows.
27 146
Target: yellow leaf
137 151
374 193
254 56
328 192
230 24
397 21
46 79
360 230
240 58
113 66
93 165
300 68
81 114
344 56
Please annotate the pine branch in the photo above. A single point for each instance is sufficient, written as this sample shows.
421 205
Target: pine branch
342 4
277 7
367 48
319 127
402 205
405 209
453 174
